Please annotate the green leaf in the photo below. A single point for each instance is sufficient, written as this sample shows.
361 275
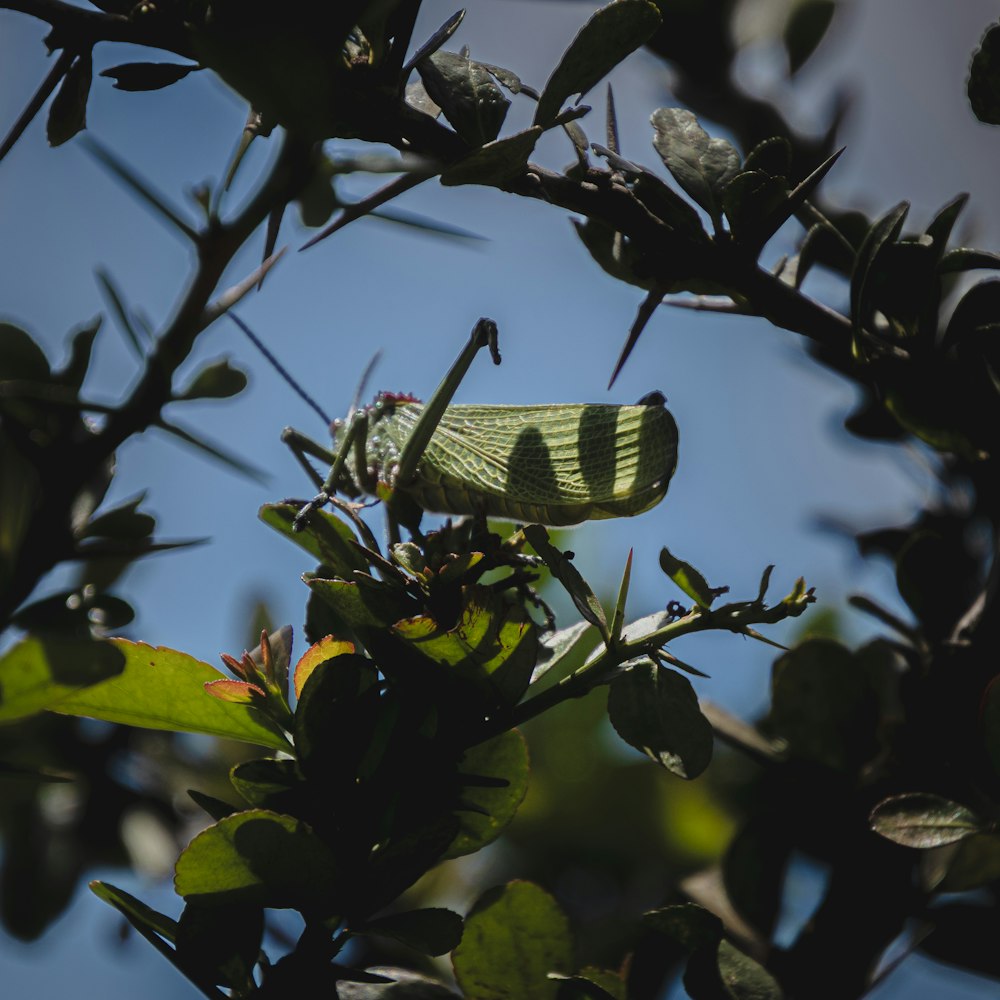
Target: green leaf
656 711
494 162
147 76
362 607
68 112
701 165
555 648
804 30
147 921
494 643
161 688
753 870
569 576
324 536
514 937
464 90
984 78
612 33
687 578
491 808
922 820
258 858
433 931
40 672
218 380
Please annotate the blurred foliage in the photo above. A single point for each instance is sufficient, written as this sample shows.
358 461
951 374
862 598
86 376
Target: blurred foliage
397 745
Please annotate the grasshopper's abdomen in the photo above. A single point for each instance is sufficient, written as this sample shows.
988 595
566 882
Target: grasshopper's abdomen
556 465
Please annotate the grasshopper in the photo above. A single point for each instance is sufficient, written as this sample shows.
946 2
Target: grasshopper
556 464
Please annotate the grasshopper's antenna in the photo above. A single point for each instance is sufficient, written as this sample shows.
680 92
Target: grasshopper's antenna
281 370
363 382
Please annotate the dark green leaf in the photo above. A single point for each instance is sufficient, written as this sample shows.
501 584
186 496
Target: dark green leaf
514 937
266 783
216 808
435 41
258 858
494 644
336 718
687 578
147 921
743 977
751 202
656 711
20 356
690 925
495 162
464 90
121 311
966 259
569 576
923 820
753 871
865 276
942 224
701 165
405 985
148 76
974 864
434 931
611 34
123 521
805 28
772 156
214 451
984 78
220 945
824 703
81 348
492 807
68 112
991 722
218 380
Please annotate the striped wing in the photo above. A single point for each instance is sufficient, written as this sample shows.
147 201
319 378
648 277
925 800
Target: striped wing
557 464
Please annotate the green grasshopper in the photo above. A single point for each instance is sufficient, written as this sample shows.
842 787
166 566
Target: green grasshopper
555 464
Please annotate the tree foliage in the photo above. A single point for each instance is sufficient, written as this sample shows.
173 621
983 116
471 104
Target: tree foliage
391 742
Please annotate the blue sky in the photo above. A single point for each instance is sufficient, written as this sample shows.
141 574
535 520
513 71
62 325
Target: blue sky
762 456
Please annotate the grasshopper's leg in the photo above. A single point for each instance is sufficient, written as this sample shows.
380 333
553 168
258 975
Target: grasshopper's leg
302 448
355 436
484 334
